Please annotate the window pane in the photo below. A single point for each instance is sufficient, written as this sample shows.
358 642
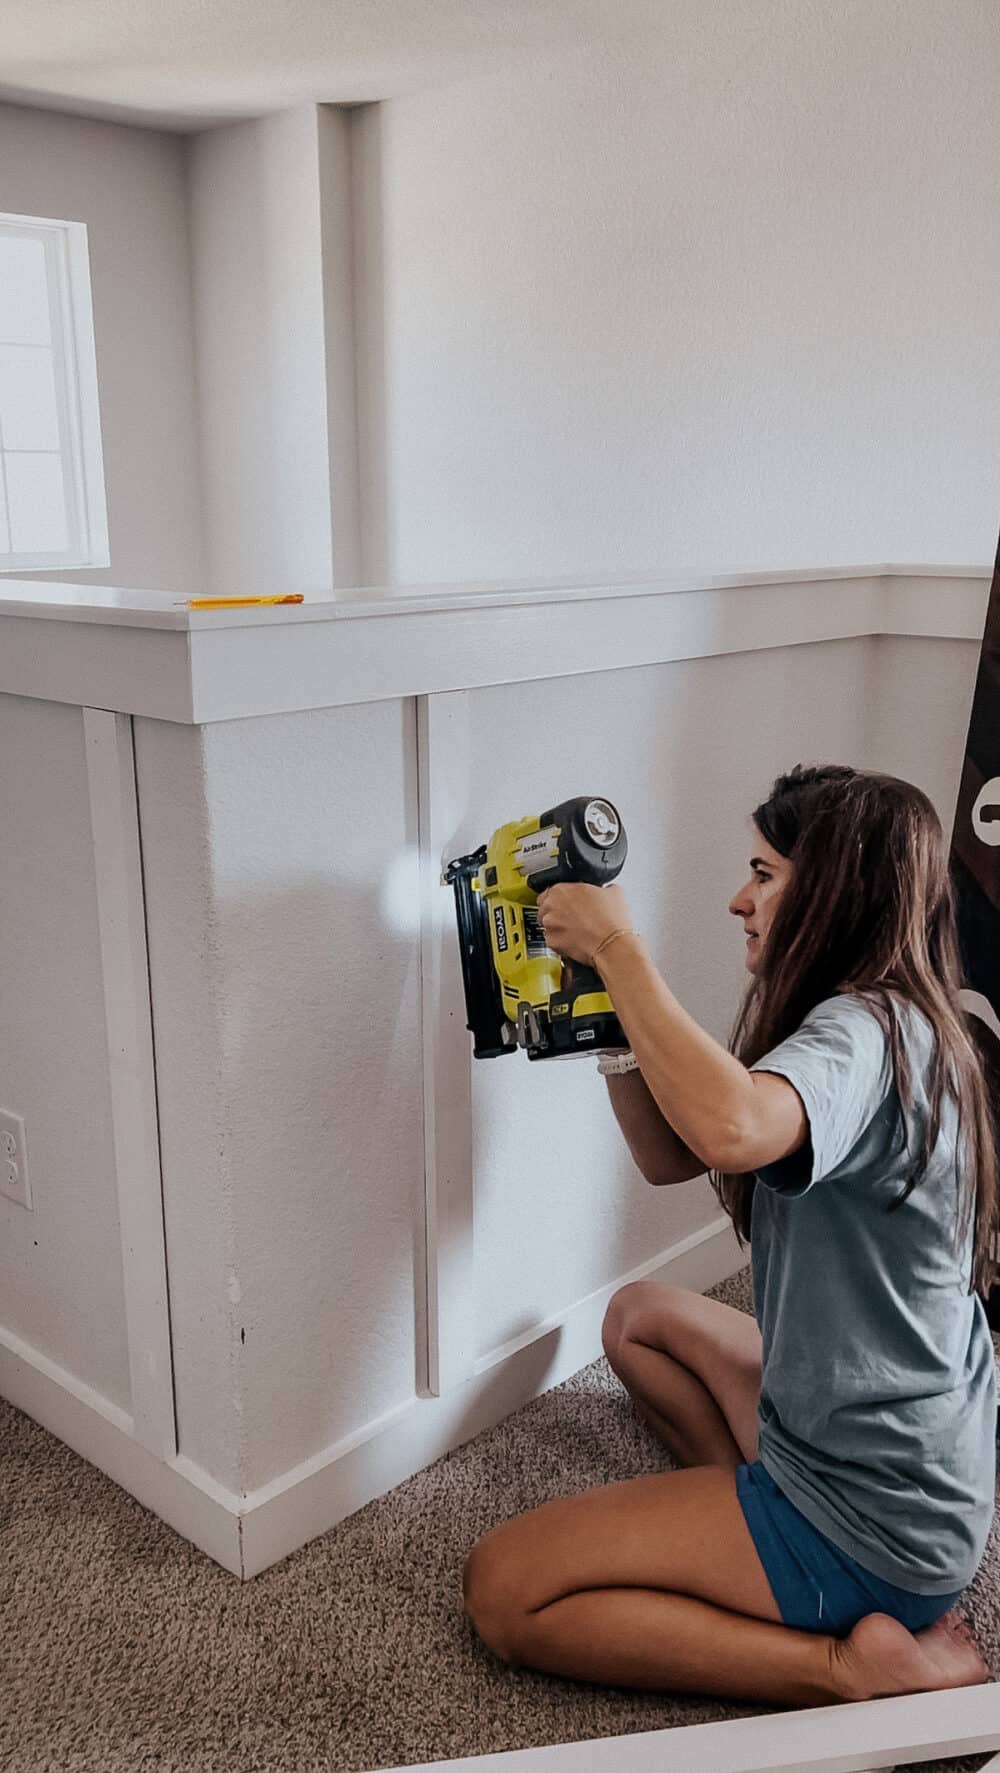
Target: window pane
5 547
24 297
28 417
37 503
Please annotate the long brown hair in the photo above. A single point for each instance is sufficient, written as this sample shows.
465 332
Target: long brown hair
868 909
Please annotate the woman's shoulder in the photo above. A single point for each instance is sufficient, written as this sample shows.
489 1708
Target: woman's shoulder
848 1003
868 1013
840 1049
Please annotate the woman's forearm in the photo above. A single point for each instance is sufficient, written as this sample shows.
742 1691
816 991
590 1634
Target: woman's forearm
704 1093
657 1152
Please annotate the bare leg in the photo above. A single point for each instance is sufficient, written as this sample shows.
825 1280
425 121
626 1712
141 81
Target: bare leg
656 1583
692 1368
696 1431
633 1637
636 1637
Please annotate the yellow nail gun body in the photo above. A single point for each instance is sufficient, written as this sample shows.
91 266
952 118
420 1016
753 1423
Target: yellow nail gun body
516 993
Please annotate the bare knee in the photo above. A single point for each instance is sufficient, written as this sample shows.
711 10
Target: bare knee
628 1311
490 1603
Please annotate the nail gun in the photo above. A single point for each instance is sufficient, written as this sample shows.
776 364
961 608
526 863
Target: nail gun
517 991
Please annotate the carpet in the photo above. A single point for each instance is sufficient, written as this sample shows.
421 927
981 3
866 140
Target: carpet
125 1649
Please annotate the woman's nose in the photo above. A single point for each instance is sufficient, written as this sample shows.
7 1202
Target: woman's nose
740 904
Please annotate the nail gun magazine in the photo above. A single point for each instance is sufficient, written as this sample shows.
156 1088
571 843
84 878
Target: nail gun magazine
518 993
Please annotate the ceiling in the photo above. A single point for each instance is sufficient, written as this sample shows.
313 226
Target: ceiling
188 64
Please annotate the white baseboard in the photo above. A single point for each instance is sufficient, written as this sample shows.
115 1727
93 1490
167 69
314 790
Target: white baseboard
182 1495
316 1495
246 1535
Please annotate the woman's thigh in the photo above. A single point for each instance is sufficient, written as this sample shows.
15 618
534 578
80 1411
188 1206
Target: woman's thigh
719 1345
679 1531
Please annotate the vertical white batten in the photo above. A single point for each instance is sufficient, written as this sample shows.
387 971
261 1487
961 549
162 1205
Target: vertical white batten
442 778
114 821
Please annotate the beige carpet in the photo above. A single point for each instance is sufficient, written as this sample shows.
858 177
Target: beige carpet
122 1648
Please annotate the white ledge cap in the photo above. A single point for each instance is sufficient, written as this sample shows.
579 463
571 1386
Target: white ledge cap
147 653
66 600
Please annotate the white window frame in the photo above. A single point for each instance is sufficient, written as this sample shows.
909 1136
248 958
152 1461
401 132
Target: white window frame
71 319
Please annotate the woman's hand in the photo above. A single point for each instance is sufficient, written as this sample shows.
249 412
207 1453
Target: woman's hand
576 918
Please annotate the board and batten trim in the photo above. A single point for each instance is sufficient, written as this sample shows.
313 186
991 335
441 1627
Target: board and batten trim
114 819
443 794
307 1500
246 1534
400 647
181 1494
142 653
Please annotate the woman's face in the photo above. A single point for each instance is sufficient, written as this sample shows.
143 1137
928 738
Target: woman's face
758 900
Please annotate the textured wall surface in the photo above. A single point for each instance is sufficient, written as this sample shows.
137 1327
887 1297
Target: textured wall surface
720 298
920 716
281 889
60 1264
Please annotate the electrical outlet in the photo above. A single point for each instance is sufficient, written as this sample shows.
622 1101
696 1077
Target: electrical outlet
14 1160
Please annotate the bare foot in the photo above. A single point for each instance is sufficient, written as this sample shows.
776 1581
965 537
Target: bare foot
881 1658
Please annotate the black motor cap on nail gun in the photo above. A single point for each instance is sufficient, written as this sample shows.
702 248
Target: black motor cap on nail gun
592 842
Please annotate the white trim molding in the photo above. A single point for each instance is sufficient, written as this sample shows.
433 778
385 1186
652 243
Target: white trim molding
146 653
121 918
443 797
247 1534
74 366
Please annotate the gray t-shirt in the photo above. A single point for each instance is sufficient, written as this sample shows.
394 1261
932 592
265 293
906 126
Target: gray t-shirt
878 1398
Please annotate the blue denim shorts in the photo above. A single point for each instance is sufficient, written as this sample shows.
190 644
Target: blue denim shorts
817 1586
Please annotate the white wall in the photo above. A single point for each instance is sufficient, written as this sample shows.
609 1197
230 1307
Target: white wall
721 298
129 187
286 1021
272 294
921 714
60 1264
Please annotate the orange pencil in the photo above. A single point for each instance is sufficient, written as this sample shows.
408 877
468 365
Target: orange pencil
239 602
